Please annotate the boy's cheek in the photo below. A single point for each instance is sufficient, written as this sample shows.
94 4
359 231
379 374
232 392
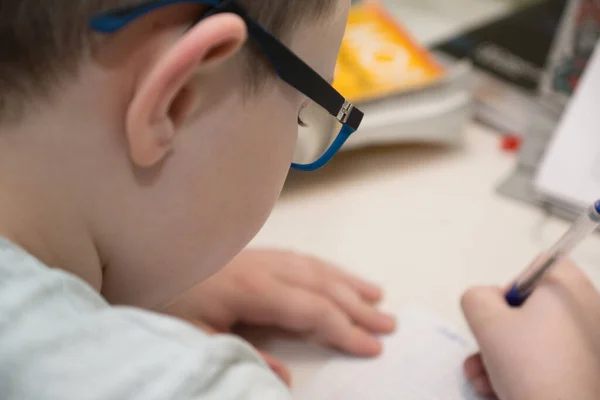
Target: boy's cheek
253 185
238 180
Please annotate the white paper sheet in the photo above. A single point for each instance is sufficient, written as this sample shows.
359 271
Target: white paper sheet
422 361
570 170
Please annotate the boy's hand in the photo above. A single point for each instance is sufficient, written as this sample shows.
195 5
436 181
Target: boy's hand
294 292
547 349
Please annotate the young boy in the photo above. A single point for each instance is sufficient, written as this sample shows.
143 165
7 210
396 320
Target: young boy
142 145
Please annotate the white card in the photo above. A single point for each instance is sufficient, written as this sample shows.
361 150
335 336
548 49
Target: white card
422 361
570 170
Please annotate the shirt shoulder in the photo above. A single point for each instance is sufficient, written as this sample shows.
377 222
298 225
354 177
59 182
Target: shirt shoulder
59 339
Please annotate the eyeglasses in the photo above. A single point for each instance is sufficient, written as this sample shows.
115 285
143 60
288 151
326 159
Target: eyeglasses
324 124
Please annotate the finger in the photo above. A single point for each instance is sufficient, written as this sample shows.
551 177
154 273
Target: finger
367 290
474 367
350 339
537 260
315 273
278 368
565 273
476 373
567 281
568 275
303 311
483 386
364 315
482 305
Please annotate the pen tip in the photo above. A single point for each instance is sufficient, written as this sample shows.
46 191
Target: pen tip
514 298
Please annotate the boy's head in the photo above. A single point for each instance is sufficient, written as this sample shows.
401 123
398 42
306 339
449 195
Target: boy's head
161 147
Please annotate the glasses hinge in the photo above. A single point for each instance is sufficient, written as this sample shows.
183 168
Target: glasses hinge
345 111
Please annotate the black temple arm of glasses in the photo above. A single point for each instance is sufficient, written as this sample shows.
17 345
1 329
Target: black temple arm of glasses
295 72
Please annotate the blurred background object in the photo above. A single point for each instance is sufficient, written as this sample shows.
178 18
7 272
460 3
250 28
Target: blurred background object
513 65
573 47
511 52
378 57
408 94
569 57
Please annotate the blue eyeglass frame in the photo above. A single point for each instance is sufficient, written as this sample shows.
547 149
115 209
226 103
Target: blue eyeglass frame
288 66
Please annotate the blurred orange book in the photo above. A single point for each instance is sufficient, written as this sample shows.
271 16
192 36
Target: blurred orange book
378 57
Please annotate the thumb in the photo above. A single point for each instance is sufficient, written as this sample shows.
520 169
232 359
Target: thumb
278 368
483 305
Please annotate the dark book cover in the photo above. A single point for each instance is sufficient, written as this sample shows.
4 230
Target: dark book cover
514 48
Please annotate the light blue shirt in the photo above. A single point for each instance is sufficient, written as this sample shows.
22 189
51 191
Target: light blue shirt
60 340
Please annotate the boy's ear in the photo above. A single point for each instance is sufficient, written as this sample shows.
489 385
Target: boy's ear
166 93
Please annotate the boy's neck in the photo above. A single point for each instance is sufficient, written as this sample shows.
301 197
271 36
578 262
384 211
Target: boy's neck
39 209
47 231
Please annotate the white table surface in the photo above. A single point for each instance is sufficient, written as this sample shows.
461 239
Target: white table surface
423 222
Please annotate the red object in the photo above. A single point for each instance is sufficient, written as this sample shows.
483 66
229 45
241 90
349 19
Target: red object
511 142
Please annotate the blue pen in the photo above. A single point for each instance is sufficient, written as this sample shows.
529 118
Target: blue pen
526 282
